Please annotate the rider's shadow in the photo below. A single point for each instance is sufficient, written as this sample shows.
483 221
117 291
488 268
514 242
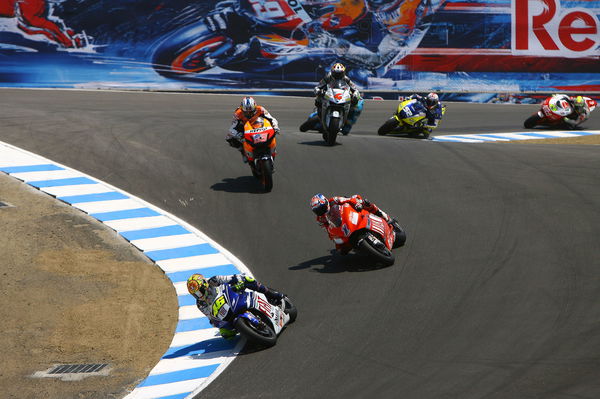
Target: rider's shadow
242 184
335 263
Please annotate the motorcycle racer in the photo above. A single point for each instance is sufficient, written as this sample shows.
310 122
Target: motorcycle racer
562 111
205 292
432 108
247 111
338 72
580 110
321 205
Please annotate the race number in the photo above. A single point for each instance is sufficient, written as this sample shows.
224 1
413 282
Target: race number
217 305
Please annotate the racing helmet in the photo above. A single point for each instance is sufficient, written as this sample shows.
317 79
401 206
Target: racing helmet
248 106
579 104
319 204
338 71
432 100
198 286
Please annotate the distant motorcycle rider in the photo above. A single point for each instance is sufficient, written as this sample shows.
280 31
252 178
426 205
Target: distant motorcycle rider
321 206
248 111
338 72
580 111
432 108
205 292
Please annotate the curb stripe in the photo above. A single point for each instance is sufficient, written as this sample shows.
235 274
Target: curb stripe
183 252
193 324
126 214
189 374
164 231
61 182
197 354
209 271
481 138
31 168
77 199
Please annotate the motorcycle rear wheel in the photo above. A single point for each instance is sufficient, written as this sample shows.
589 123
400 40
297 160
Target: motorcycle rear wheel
380 253
266 174
387 127
262 334
332 131
532 121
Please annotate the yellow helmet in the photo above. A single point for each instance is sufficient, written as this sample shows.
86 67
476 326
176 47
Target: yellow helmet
198 286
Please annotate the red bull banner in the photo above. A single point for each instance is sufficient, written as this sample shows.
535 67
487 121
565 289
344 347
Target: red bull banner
387 45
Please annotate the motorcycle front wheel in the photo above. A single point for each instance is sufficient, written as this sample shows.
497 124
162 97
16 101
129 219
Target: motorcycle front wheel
378 251
290 309
332 131
387 127
532 121
261 334
266 174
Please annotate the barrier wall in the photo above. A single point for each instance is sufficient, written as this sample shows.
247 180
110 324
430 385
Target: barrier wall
389 45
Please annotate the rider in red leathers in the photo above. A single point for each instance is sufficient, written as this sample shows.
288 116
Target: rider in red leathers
321 205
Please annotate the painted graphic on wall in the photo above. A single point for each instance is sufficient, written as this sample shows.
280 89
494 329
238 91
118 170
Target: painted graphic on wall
418 45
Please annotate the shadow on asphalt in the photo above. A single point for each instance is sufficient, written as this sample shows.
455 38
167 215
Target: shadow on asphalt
242 184
318 143
335 263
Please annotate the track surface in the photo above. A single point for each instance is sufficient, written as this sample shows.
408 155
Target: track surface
494 295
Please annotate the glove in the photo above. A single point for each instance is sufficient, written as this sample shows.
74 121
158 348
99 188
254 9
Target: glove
274 296
234 142
366 203
277 131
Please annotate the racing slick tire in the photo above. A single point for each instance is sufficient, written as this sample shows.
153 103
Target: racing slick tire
266 174
309 124
400 234
387 127
332 131
376 249
290 309
262 334
532 121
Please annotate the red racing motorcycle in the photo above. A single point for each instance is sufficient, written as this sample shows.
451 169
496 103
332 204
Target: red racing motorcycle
553 111
364 232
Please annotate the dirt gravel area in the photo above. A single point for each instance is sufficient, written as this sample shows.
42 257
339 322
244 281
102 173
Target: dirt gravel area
588 140
72 292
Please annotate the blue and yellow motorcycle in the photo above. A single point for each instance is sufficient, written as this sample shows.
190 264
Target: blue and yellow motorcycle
410 118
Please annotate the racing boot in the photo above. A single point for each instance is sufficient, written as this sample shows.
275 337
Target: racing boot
227 333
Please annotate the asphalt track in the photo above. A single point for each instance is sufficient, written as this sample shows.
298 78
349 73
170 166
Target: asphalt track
494 295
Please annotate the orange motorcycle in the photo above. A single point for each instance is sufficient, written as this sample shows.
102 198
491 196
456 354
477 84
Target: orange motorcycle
364 232
260 149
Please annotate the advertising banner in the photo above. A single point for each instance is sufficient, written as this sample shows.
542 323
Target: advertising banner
404 45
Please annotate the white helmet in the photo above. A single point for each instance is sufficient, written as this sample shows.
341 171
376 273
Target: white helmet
248 106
